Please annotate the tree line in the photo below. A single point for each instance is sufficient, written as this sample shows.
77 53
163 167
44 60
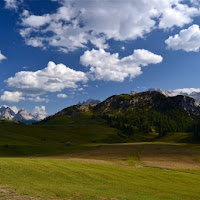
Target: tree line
132 122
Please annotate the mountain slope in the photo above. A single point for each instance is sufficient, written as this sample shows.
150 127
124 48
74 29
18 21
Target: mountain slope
150 110
141 113
148 100
120 118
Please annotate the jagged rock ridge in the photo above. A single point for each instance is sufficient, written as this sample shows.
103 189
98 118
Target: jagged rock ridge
21 115
89 102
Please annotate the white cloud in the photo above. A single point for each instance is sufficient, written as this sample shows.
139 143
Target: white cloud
12 96
80 89
187 39
53 78
11 4
40 112
75 23
38 99
2 57
187 90
179 15
14 109
62 96
36 21
195 2
123 48
109 67
35 42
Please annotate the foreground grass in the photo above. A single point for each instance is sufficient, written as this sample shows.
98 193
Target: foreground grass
101 170
86 180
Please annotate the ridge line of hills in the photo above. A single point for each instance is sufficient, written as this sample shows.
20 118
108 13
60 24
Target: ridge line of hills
144 112
156 101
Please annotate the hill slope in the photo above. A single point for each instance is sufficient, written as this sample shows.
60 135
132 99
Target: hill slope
144 112
120 118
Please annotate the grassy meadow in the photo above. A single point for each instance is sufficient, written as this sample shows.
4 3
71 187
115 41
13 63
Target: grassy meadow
100 164
66 179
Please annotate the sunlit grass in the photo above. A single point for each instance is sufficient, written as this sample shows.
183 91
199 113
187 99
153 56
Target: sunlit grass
82 180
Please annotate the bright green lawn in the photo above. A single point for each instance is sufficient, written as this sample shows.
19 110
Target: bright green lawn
90 181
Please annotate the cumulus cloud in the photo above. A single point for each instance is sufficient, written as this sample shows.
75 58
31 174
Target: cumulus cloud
187 39
109 67
38 99
80 89
13 97
187 90
75 24
53 78
2 57
11 4
14 109
195 2
40 112
62 96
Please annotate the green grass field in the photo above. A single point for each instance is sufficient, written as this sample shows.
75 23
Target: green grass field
90 181
98 165
23 140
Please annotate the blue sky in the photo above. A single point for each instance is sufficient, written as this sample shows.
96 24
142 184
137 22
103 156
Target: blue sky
104 48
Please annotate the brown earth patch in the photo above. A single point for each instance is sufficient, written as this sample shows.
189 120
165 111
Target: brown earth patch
8 194
156 155
105 154
170 156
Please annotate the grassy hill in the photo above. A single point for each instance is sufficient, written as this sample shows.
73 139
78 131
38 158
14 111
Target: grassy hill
51 137
139 117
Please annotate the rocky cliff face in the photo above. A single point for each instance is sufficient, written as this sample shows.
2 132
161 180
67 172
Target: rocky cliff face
6 113
89 102
148 100
73 111
137 103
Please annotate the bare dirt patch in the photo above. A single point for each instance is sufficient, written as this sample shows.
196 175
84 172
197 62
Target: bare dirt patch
8 194
170 156
161 155
106 154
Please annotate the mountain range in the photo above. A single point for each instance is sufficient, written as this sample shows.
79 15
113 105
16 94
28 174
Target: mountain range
194 95
89 102
124 102
21 115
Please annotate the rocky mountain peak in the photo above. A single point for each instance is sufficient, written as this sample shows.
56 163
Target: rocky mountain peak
89 102
21 115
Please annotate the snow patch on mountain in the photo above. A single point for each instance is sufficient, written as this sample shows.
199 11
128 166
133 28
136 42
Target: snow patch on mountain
189 93
22 115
